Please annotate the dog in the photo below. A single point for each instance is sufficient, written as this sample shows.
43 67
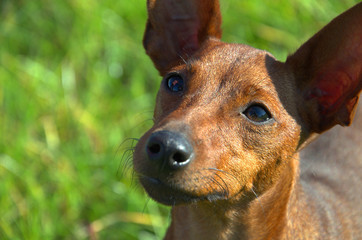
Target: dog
232 149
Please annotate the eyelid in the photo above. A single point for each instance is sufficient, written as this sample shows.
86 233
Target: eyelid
171 74
266 109
258 103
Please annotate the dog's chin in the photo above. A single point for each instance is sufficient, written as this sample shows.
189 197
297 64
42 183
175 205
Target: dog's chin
171 195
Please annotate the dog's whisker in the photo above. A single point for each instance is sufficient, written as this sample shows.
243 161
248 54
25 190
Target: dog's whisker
182 59
225 184
126 160
224 172
146 204
257 198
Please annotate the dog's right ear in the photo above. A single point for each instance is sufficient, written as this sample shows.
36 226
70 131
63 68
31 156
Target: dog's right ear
328 71
176 29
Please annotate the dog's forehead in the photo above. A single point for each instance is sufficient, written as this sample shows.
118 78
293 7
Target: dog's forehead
227 53
230 66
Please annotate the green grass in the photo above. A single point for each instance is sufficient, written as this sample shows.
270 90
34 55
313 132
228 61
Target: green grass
74 84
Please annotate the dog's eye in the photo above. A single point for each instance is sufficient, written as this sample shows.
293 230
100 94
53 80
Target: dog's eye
175 83
257 113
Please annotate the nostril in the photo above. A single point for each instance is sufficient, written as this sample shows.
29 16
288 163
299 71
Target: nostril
179 157
154 148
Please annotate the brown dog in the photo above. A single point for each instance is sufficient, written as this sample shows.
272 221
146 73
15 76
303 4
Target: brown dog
229 123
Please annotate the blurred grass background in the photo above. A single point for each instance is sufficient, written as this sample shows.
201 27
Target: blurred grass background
75 83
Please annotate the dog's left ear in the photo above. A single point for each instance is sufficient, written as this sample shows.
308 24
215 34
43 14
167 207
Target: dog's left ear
176 29
328 71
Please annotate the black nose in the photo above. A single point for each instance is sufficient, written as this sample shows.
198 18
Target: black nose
169 149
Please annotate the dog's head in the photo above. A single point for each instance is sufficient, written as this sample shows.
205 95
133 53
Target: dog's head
229 117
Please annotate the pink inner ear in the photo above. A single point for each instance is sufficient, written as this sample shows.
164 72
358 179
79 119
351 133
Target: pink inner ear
186 35
189 44
332 88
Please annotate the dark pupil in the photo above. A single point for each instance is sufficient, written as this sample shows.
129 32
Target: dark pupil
175 84
257 114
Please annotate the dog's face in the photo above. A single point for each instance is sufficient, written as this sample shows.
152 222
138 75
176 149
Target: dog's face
224 106
229 117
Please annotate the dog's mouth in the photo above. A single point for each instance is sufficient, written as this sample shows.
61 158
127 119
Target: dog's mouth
174 194
169 171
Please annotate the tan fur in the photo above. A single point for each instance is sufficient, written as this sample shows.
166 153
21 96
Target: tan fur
246 180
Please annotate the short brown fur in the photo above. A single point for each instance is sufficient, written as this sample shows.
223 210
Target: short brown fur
245 179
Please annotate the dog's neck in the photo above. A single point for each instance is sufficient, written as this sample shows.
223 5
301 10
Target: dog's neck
264 217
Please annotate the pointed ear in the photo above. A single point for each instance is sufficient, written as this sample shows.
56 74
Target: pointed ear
176 29
328 71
